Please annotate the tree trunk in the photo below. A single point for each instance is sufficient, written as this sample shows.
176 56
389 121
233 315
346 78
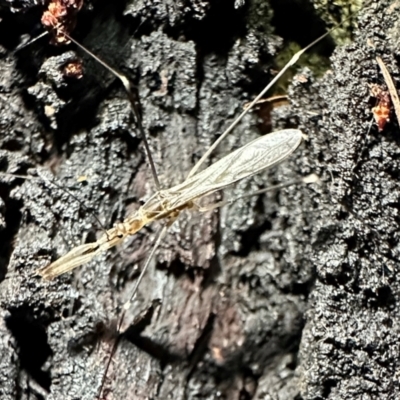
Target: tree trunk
287 295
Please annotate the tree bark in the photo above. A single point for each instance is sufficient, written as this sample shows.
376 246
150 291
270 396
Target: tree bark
288 295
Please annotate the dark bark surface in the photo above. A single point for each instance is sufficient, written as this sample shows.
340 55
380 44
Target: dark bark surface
290 295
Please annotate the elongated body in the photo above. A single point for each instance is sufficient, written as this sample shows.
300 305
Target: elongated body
248 160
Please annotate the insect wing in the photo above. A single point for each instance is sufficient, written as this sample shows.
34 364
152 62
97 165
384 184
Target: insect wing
249 160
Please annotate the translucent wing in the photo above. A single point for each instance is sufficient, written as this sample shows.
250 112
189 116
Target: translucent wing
260 154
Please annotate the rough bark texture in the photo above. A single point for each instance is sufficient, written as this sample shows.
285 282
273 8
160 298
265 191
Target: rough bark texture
291 295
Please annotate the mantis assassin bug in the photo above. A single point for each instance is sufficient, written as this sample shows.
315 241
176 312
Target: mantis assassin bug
203 323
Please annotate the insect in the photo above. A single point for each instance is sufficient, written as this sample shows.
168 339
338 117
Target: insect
245 162
190 280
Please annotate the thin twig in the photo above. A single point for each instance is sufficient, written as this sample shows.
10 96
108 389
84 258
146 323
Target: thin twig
392 89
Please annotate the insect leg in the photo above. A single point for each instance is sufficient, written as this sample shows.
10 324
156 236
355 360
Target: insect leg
160 237
306 180
132 99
